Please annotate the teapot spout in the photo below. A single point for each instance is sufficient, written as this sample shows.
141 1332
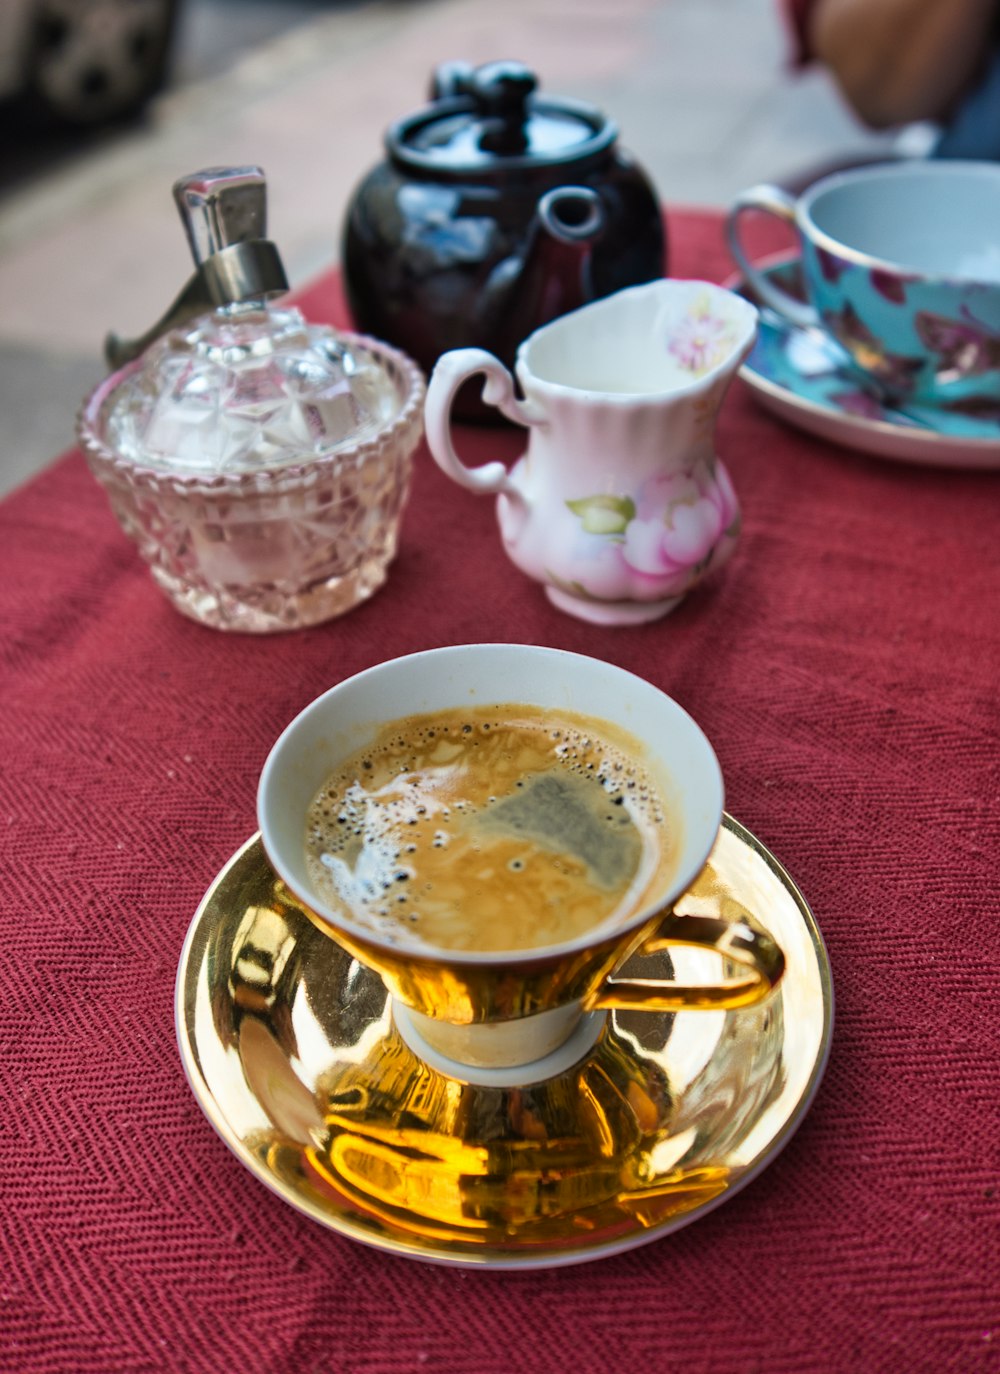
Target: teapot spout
572 215
569 221
552 274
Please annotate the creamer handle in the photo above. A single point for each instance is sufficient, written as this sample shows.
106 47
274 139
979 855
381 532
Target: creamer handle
450 373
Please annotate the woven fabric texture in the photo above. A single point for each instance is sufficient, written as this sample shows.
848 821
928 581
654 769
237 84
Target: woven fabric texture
845 666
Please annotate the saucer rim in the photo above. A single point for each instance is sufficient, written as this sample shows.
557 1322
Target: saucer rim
878 438
388 1244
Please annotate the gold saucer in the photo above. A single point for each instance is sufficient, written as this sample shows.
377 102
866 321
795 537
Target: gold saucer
290 1048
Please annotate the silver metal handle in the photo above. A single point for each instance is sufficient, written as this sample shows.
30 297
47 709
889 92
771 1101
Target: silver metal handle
772 200
224 213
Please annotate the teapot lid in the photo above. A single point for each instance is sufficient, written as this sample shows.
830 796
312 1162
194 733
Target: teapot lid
487 120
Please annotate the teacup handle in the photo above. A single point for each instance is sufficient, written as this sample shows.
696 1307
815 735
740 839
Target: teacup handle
773 201
755 950
451 371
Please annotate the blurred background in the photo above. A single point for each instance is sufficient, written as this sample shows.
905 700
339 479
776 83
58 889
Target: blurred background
107 102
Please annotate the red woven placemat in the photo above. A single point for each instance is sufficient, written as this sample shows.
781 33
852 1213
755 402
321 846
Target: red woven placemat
845 666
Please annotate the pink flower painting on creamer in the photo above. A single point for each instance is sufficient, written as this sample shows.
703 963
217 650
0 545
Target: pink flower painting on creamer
700 339
670 529
679 522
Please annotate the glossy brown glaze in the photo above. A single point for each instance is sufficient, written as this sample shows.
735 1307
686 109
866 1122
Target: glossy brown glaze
494 212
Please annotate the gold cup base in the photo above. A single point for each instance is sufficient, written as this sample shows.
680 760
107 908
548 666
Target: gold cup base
292 1050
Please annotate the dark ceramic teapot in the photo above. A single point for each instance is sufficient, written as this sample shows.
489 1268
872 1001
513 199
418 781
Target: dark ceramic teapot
495 211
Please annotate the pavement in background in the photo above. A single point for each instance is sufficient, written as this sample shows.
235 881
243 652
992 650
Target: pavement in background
700 89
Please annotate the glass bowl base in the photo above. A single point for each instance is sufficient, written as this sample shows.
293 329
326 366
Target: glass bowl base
267 609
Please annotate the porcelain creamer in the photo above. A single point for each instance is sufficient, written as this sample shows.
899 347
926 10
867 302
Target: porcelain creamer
619 505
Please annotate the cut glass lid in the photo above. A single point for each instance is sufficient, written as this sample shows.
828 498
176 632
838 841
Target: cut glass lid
226 382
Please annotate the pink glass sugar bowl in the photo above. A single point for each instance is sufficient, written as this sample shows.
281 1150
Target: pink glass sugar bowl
260 463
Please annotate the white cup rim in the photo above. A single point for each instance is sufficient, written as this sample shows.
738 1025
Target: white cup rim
700 826
903 170
744 317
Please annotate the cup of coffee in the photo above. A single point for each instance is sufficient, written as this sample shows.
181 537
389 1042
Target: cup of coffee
495 829
901 265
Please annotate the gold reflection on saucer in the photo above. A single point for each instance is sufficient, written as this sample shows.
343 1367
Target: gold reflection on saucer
290 1048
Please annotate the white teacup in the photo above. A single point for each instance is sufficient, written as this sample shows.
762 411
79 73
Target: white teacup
620 504
503 1010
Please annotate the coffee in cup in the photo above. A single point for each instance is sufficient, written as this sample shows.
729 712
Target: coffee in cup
504 827
501 1003
901 266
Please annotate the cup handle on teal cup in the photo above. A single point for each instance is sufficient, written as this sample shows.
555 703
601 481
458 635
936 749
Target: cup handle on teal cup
772 200
451 371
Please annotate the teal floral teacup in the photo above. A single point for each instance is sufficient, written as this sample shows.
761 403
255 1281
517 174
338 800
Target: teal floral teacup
620 505
901 265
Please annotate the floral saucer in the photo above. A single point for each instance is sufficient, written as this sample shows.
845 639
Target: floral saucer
803 376
292 1052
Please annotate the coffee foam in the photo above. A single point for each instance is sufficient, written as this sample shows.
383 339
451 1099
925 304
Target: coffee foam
502 827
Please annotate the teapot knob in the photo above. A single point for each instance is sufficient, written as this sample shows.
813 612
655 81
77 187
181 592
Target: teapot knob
451 79
503 88
500 92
